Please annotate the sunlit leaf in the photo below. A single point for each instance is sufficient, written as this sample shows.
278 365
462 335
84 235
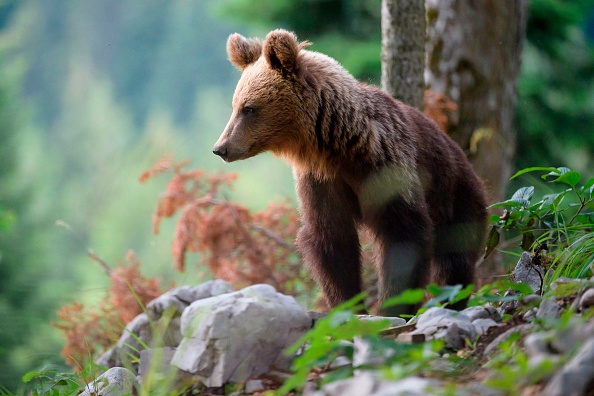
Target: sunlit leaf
534 169
523 195
570 177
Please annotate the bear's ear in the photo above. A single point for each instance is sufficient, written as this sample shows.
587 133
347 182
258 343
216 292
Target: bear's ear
280 49
243 51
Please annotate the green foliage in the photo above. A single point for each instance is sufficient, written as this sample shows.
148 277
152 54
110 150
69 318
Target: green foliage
7 219
52 382
325 341
555 105
347 30
449 294
561 222
512 370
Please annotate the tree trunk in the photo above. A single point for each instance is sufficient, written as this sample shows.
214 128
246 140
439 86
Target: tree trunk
403 50
473 56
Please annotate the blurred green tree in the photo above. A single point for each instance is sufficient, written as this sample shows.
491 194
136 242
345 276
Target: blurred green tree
22 308
555 105
347 30
555 93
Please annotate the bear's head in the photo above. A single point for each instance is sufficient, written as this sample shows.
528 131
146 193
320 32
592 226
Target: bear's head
269 104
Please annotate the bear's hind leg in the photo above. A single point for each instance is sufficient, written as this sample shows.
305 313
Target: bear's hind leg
405 239
458 244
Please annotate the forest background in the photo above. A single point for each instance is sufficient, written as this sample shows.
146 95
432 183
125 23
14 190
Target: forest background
93 93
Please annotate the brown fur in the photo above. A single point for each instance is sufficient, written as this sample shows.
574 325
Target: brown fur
360 159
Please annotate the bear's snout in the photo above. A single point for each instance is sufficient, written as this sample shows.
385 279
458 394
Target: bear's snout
221 151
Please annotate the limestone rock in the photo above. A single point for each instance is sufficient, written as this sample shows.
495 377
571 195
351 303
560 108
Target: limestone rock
394 321
158 359
587 299
234 336
180 297
455 327
548 308
136 333
528 272
576 376
254 385
116 381
369 384
522 329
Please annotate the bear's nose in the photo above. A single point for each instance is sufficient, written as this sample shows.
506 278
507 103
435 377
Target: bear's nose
221 151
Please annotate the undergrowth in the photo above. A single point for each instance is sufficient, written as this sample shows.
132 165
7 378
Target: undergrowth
245 247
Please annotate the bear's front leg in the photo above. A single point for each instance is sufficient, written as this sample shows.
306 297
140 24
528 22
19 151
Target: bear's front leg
328 239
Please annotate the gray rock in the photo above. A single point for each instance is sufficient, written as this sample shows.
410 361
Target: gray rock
116 381
364 354
522 329
538 343
587 299
394 321
108 358
478 389
232 337
562 281
180 297
158 359
507 307
548 308
254 385
340 361
576 376
483 325
450 326
530 315
529 273
136 334
368 384
482 312
532 299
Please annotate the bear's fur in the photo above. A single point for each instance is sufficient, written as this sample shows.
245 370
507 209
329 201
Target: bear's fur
360 159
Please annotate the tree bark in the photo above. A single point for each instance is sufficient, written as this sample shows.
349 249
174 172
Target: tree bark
473 56
403 50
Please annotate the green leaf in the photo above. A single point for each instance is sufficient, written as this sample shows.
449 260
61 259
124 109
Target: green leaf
443 294
30 375
509 202
523 196
521 288
570 177
492 241
408 297
588 188
534 169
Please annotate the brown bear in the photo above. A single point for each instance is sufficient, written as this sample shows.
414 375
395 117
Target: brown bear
360 159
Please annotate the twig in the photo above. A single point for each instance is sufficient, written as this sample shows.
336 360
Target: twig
91 254
274 236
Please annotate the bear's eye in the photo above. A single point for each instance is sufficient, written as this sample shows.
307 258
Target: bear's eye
247 110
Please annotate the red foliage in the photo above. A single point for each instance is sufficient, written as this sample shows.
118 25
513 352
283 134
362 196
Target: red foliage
238 246
86 331
128 287
441 109
89 331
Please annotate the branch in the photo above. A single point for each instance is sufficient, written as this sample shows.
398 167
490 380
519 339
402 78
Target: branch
274 236
91 254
